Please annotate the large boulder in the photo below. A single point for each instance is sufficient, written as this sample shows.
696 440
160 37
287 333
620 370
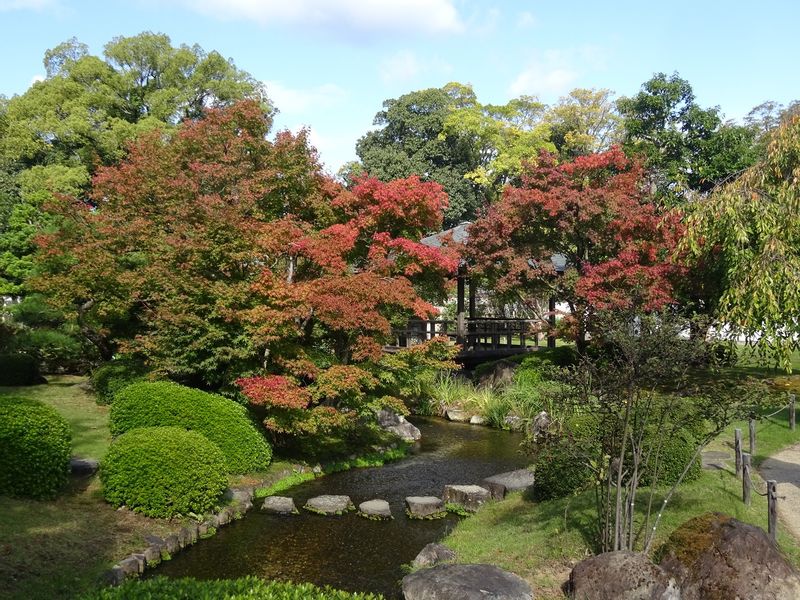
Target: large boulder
470 497
715 557
396 423
328 504
621 575
432 555
465 582
424 507
512 481
501 375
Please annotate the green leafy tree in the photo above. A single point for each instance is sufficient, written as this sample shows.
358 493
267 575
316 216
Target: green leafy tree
584 122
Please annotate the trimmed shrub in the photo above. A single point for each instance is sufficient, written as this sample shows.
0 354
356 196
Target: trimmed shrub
223 589
19 369
35 443
111 377
223 421
676 451
163 472
559 472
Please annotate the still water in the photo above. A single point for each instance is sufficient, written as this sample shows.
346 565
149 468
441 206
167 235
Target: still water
350 552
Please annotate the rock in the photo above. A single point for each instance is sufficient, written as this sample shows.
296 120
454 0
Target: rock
540 424
471 497
279 505
131 566
225 516
458 415
716 556
433 554
477 420
329 504
501 374
375 509
621 575
184 537
317 470
152 555
714 460
83 467
171 544
465 582
238 494
114 576
512 481
514 423
245 506
396 423
425 507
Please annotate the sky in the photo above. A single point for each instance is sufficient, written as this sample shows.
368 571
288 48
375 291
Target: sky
329 64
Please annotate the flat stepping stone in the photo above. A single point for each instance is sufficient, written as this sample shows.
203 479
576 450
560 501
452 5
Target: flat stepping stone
432 555
512 481
470 497
375 509
714 460
465 582
425 507
477 420
83 466
458 415
329 505
279 505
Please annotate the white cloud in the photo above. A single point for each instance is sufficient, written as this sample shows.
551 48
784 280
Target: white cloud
8 5
291 101
367 16
36 79
526 20
554 72
405 66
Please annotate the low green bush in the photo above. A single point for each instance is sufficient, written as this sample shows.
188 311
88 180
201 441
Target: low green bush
225 422
251 588
35 443
163 472
19 369
559 472
111 377
675 453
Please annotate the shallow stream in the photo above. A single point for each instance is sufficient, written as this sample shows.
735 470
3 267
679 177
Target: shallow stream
350 552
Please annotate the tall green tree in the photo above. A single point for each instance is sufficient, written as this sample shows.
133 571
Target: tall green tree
687 149
584 122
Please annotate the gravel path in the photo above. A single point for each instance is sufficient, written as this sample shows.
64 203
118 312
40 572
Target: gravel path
784 467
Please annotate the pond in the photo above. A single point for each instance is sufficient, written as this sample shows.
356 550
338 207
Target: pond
350 552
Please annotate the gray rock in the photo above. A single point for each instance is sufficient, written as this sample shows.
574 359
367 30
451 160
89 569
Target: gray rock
471 497
621 575
328 504
514 423
131 566
238 494
152 555
279 505
432 555
244 506
465 582
425 507
458 415
114 576
202 529
396 423
501 374
375 509
477 420
540 424
225 516
512 481
172 544
83 467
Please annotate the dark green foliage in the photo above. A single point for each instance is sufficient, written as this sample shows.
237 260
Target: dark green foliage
19 369
223 421
54 349
251 588
163 472
675 453
35 443
560 472
542 361
111 377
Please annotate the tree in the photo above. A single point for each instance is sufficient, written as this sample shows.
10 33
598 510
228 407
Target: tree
214 254
751 226
591 211
687 149
584 122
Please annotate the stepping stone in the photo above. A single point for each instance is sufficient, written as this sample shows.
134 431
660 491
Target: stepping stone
83 466
279 505
375 509
471 497
465 582
425 507
477 420
329 505
432 555
512 481
714 460
458 415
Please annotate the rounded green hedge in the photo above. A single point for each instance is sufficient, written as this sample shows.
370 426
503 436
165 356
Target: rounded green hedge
35 443
223 421
559 472
19 369
111 377
163 472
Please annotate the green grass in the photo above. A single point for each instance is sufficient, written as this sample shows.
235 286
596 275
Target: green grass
88 421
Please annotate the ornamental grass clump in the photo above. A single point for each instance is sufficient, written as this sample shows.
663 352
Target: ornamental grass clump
223 421
163 472
35 443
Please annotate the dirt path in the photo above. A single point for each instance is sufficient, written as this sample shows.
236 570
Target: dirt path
784 467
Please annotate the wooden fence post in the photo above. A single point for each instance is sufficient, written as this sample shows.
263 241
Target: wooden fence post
792 420
772 504
737 449
752 437
746 478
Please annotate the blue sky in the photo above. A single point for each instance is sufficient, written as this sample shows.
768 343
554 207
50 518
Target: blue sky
329 64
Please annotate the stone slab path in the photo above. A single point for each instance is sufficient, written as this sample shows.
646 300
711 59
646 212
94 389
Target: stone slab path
784 467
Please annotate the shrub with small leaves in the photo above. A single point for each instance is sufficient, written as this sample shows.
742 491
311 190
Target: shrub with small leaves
111 377
163 472
223 421
19 369
35 444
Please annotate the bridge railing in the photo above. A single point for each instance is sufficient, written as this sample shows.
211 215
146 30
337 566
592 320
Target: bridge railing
473 334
